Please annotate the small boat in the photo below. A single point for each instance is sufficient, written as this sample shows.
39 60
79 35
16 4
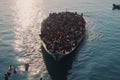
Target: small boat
61 33
115 6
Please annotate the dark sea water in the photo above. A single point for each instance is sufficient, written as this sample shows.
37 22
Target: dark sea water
97 58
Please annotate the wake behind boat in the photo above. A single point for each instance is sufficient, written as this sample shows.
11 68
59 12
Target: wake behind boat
61 33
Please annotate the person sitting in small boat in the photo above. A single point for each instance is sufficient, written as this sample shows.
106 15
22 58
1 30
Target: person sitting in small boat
116 6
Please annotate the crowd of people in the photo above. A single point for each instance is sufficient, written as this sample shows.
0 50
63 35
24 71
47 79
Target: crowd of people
62 31
11 69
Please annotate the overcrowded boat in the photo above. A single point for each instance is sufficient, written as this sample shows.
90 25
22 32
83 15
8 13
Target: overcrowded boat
62 32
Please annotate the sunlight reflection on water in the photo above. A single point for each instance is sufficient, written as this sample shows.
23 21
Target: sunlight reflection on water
28 17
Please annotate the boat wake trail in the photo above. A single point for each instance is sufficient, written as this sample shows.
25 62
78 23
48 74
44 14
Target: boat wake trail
84 53
92 35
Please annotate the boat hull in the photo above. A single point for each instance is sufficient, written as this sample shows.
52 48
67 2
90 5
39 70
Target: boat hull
60 56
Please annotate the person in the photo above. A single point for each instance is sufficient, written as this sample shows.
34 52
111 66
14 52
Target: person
5 76
26 66
8 74
82 14
14 71
10 68
41 79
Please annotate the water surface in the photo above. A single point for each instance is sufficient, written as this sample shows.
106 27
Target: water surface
97 58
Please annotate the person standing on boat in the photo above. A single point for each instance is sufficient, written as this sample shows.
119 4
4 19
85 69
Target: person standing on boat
55 46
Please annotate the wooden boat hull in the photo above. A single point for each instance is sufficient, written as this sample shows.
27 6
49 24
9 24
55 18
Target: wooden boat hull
59 56
56 56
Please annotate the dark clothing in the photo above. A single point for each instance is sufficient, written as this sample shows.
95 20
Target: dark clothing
15 72
26 66
8 74
5 76
40 78
10 68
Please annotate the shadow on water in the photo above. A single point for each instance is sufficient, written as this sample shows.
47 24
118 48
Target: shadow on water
59 70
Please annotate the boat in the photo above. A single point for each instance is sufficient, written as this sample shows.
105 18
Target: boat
58 56
115 6
61 33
